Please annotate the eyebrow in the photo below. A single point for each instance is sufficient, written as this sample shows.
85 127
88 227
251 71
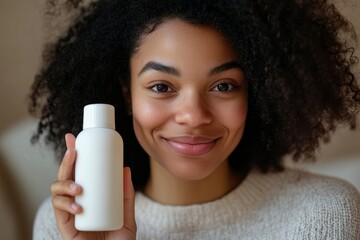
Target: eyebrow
152 65
226 66
159 67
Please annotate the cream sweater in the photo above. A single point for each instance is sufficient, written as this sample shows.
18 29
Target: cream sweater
288 205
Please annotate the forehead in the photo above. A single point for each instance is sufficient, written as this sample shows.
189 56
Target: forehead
176 41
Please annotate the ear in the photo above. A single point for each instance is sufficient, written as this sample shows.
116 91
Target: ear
125 89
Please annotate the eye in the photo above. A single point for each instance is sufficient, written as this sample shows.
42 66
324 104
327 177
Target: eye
161 88
224 87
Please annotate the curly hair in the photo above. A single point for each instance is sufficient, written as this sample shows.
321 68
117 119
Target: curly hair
295 55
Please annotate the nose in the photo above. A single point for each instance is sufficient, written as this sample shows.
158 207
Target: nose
193 111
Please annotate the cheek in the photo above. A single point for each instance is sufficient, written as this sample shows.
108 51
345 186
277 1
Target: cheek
234 115
147 115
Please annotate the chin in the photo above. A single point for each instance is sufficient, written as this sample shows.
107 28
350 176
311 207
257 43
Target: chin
191 172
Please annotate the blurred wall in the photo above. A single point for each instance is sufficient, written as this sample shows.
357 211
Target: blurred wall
21 39
20 50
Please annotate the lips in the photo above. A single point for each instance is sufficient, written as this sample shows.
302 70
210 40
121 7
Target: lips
191 145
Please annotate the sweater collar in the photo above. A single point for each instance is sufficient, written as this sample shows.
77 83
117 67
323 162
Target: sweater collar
226 210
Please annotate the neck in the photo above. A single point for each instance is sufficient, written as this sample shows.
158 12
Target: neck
164 188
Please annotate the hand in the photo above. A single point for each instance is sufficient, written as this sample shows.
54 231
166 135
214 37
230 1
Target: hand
63 200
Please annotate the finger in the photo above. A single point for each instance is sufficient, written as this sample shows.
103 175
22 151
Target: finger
67 164
64 204
64 190
129 201
70 141
67 187
64 209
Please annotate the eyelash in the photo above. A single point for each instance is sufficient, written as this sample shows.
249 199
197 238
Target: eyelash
230 87
156 85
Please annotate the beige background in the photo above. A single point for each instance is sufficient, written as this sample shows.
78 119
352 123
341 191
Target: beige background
26 172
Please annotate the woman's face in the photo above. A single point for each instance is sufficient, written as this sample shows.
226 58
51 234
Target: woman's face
189 100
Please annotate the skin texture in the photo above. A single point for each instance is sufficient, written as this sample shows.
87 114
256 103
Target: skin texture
194 125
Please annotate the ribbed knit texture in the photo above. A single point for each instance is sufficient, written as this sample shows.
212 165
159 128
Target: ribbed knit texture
287 205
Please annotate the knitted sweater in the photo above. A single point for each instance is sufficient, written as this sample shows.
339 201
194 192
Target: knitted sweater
288 205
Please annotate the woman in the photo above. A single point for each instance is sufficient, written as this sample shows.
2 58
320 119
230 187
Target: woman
210 96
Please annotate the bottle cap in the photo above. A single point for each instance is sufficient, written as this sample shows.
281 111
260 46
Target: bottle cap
99 116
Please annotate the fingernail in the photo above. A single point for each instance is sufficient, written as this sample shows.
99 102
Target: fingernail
74 187
74 207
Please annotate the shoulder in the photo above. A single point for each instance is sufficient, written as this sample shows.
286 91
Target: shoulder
327 207
303 182
45 224
318 187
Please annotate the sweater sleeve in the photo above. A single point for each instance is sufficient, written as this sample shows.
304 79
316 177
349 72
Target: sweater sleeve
45 224
333 212
344 219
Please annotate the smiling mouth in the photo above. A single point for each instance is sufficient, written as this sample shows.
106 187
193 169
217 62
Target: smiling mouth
191 146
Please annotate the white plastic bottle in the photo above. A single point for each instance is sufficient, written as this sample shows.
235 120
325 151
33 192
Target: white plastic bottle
99 171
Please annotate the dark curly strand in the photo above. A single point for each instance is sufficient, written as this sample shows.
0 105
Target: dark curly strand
295 55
